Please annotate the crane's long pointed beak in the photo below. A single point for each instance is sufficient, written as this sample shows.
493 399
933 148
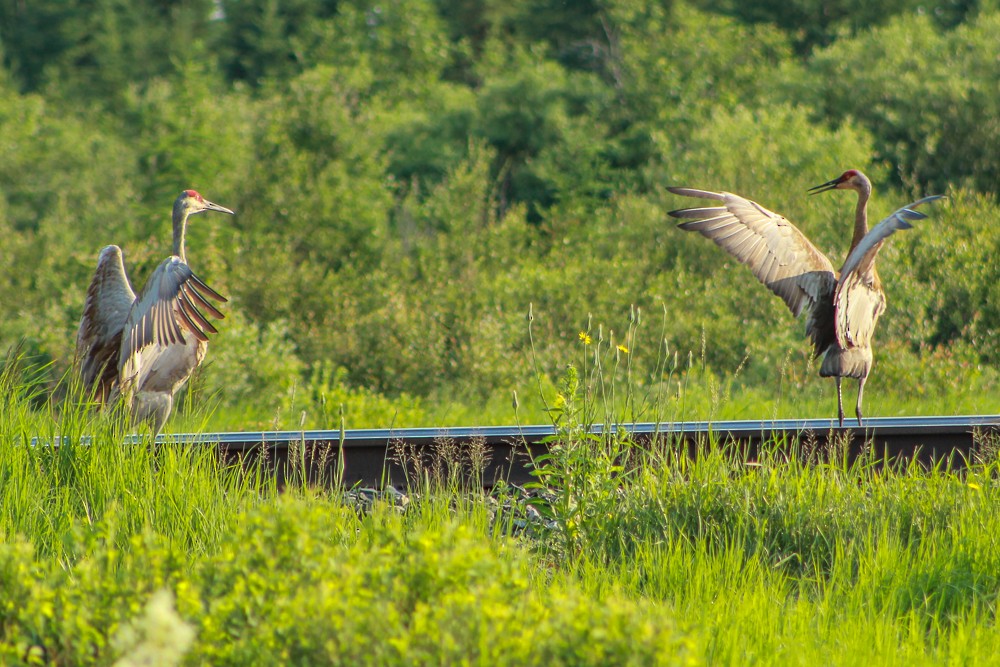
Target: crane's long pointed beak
829 185
209 206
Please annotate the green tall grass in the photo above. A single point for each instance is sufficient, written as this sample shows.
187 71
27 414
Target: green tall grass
65 466
115 553
800 557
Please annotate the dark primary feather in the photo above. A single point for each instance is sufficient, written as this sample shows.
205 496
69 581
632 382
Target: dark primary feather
206 290
195 320
201 302
168 307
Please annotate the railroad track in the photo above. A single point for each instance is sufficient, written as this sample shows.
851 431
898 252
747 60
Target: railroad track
371 457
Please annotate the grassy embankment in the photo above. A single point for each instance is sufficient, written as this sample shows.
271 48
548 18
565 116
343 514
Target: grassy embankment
118 553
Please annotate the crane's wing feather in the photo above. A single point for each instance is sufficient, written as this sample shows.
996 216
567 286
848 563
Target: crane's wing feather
862 257
167 309
857 303
191 291
205 290
778 254
106 307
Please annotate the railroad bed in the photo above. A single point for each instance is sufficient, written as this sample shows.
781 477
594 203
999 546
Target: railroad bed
371 457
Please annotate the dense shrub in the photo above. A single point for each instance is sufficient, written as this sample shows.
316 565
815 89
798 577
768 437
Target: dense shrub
308 582
409 177
927 96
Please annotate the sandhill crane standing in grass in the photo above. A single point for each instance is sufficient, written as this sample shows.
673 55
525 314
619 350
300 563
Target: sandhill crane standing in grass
841 308
145 348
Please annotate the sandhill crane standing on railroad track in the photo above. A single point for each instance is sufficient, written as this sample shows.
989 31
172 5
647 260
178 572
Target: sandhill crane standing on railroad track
144 349
841 308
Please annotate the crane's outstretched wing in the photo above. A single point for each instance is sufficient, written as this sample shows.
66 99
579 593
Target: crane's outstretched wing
857 305
779 255
167 309
98 340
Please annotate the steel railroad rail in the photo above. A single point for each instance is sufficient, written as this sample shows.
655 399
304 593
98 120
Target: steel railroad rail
372 457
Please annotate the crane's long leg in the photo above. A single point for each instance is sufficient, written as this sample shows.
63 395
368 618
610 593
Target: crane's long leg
840 404
861 391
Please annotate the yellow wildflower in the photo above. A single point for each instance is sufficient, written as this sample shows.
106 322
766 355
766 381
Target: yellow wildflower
623 349
585 337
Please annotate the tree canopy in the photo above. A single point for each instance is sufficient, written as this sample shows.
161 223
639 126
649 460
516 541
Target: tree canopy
410 175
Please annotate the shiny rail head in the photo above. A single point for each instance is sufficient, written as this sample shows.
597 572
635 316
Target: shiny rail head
958 424
534 433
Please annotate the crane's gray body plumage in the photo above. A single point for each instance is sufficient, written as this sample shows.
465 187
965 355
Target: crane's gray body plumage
164 339
142 349
841 308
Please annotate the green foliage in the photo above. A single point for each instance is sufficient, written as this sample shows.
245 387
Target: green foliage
60 180
254 368
266 39
111 552
407 596
927 96
663 78
402 43
190 130
950 298
818 22
93 50
409 176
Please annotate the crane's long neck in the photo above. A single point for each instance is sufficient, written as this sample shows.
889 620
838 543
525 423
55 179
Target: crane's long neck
861 213
180 227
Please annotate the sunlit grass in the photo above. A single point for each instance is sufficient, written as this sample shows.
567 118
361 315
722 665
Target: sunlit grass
798 563
638 555
66 465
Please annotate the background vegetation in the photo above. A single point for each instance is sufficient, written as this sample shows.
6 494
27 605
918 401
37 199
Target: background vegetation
410 175
412 178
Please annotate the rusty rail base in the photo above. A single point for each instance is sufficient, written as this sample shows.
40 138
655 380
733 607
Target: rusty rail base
373 457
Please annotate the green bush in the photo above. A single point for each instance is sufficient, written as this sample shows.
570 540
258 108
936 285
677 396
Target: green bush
943 294
927 96
429 596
